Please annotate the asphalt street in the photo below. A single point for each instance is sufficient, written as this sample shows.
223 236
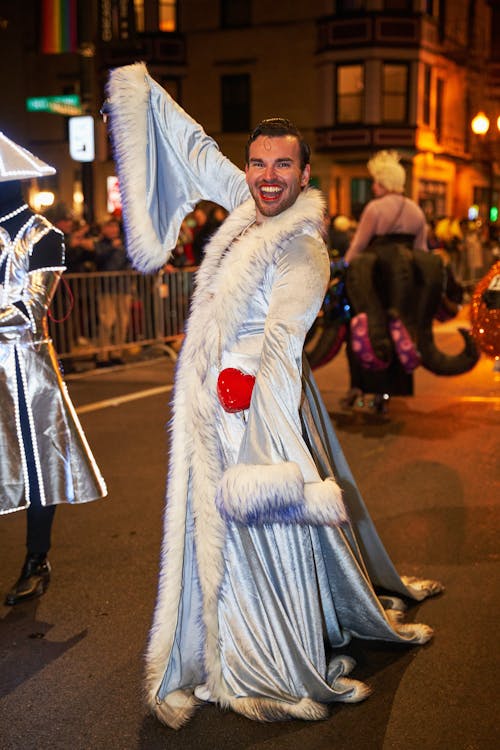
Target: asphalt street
71 662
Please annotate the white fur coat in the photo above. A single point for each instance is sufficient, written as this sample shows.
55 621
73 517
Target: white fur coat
242 490
166 163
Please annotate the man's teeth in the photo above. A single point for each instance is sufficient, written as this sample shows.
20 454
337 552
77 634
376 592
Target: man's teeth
271 189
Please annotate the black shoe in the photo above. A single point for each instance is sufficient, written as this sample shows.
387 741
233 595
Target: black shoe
33 581
380 403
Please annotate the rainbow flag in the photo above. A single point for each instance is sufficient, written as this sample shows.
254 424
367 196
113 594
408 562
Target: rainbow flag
58 27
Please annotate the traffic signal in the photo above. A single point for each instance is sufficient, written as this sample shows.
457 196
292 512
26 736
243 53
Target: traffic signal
493 214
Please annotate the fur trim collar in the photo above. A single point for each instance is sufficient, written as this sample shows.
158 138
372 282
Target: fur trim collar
242 270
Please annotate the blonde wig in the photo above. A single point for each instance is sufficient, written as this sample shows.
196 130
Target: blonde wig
385 169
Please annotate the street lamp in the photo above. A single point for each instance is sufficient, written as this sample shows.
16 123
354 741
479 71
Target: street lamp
480 126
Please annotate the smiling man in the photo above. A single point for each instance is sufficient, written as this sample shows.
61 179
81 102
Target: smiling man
258 583
277 166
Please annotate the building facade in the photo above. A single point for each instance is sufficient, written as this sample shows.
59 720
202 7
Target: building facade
354 75
357 76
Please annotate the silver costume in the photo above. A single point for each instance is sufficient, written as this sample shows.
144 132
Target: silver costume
31 264
260 566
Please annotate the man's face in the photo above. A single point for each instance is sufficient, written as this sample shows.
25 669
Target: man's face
273 174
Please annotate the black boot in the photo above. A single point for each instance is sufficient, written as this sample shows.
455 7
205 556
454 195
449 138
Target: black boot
33 581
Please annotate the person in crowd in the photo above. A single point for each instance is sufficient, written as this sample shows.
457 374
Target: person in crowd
389 220
114 297
45 458
391 212
433 241
448 230
473 252
339 235
214 218
182 255
270 558
79 240
196 220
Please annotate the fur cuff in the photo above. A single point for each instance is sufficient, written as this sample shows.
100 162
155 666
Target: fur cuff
260 494
323 504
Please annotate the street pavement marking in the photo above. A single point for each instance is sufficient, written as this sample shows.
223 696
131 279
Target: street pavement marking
97 405
482 399
123 399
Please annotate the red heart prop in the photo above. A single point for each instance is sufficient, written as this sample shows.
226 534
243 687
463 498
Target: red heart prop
234 389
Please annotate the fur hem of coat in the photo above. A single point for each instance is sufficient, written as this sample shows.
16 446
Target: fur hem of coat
178 710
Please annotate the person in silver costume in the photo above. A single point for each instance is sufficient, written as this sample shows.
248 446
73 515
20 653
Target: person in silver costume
270 559
45 458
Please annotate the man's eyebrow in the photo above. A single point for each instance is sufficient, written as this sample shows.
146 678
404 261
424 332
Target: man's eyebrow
279 158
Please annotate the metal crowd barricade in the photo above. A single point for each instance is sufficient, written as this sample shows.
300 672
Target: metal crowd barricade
157 313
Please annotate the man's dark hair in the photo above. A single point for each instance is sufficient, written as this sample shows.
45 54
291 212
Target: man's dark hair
274 127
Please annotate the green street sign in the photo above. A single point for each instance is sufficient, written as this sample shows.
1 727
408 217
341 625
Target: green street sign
67 104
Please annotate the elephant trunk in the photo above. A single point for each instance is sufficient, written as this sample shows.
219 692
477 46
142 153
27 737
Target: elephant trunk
364 300
430 274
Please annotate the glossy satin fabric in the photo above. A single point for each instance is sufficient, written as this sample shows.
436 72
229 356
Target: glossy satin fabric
172 190
286 588
66 469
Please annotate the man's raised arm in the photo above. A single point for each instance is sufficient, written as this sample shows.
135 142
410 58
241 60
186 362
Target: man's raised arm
166 164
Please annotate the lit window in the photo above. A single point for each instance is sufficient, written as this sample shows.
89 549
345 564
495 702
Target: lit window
350 93
139 15
394 94
167 15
